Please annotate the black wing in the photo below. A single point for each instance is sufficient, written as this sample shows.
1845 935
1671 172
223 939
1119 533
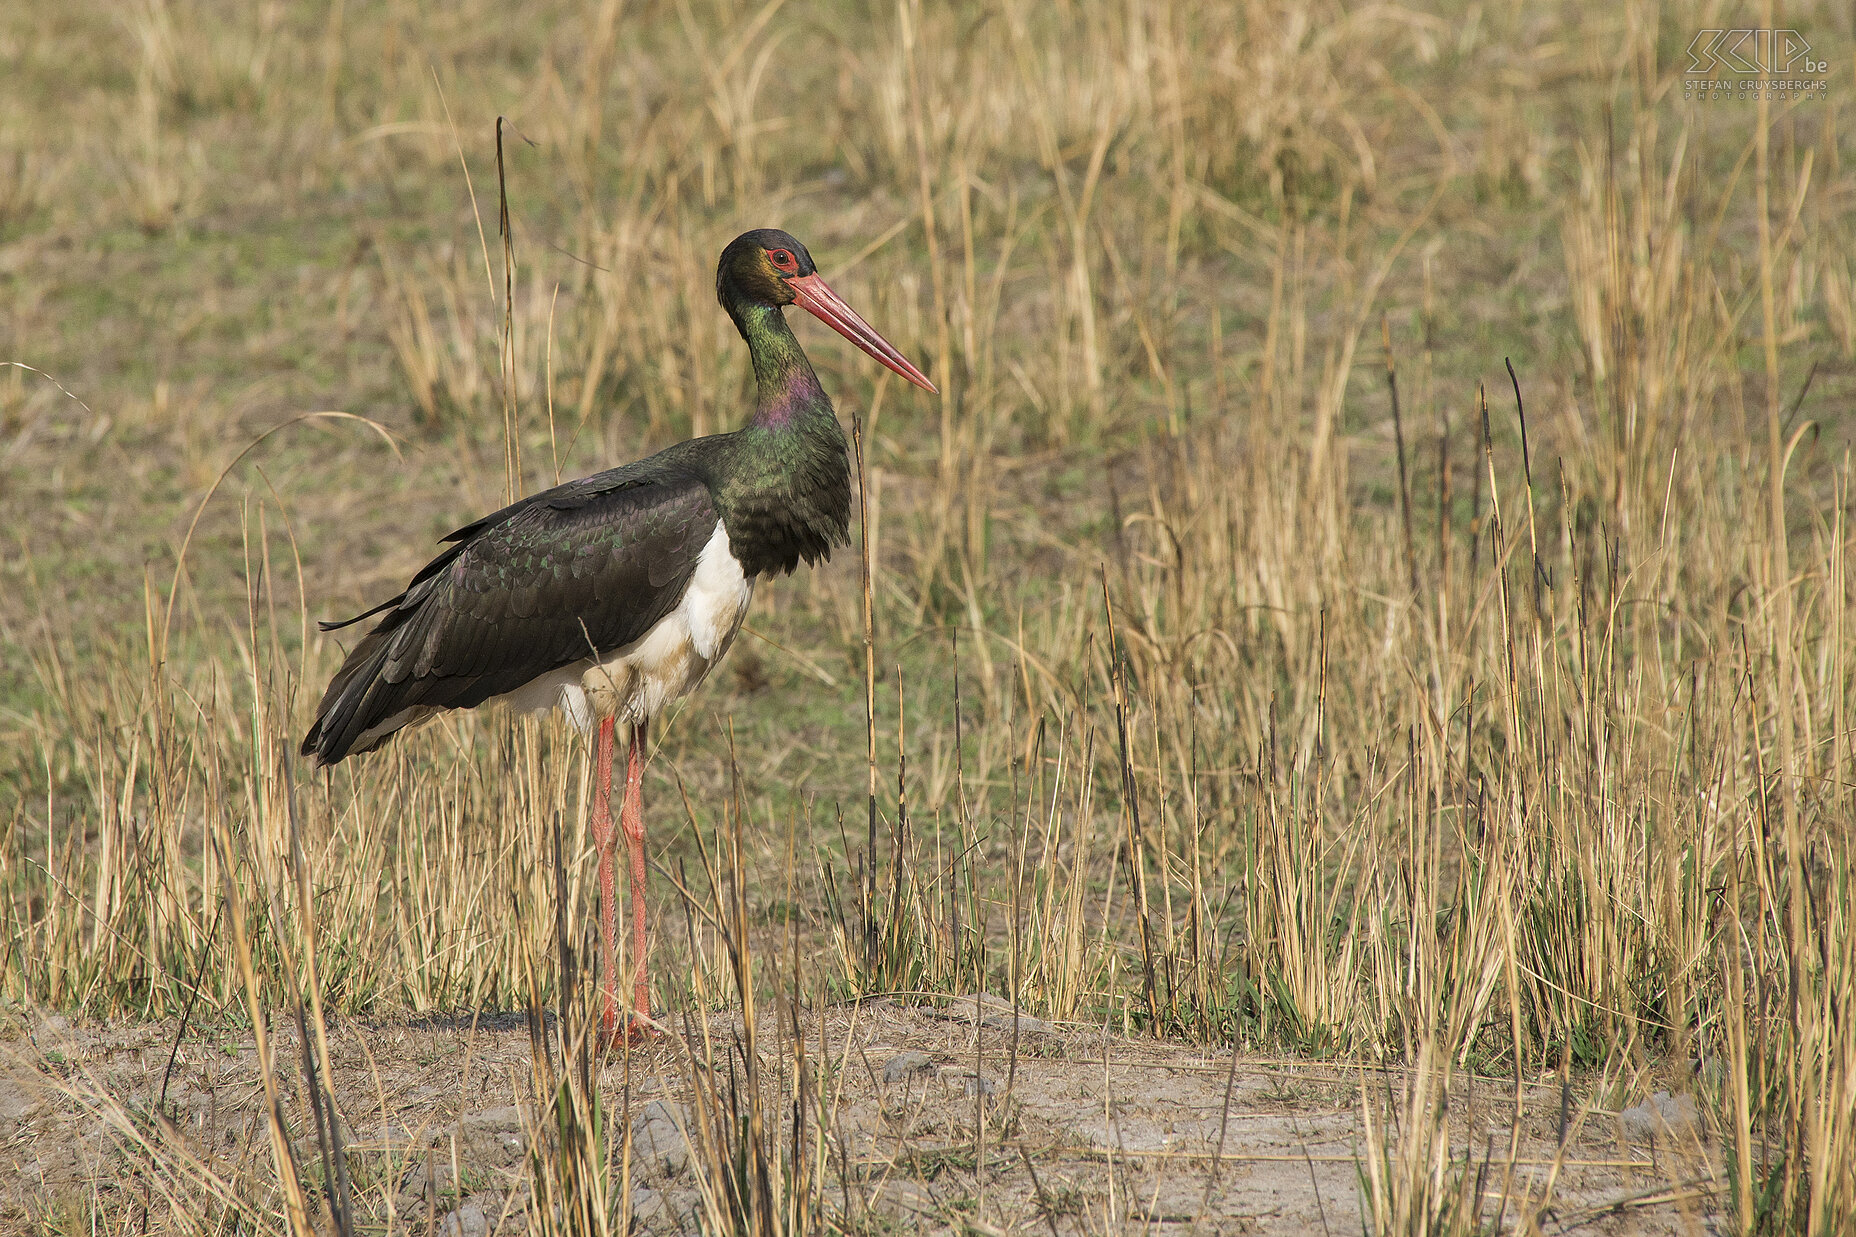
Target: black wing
583 568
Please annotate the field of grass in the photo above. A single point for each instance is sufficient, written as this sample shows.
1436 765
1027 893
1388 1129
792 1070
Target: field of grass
1372 591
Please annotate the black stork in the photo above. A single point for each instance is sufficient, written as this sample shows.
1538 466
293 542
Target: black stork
611 596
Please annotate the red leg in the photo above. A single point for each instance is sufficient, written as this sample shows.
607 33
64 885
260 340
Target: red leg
631 819
603 842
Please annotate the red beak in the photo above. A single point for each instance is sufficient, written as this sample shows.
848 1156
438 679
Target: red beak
811 292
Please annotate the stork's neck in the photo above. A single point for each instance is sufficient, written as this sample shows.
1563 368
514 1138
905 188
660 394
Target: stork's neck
787 492
790 395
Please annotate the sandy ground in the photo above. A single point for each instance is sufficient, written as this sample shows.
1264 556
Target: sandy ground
1081 1132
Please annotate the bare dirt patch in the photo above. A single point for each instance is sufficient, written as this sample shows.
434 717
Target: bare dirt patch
935 1126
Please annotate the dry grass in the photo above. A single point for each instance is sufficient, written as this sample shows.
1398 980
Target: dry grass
1254 659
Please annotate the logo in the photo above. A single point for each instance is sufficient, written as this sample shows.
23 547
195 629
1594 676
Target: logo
1751 64
1752 51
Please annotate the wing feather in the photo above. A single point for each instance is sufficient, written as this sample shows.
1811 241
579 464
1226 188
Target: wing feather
583 569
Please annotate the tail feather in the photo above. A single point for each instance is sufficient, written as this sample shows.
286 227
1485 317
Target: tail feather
357 700
362 708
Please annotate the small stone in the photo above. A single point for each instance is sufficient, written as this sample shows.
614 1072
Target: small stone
646 1203
1661 1116
973 1085
16 1102
903 1064
467 1221
657 1136
995 1014
657 1110
1025 1026
508 1116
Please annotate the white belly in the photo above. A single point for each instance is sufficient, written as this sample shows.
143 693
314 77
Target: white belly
635 682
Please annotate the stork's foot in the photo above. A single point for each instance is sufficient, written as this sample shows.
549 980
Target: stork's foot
619 1030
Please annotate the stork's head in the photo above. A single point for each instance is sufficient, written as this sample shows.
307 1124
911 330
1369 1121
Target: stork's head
768 267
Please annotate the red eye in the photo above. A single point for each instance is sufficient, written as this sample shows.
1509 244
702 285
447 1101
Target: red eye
784 260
